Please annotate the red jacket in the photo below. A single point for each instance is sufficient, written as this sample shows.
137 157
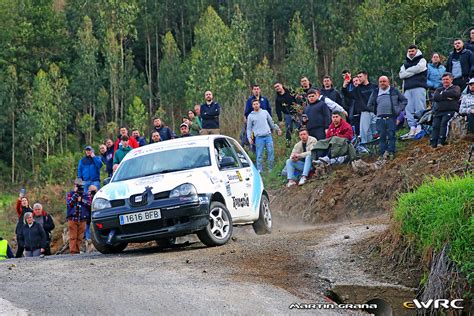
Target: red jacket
132 142
344 130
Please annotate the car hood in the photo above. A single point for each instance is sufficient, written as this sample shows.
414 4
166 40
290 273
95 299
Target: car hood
203 179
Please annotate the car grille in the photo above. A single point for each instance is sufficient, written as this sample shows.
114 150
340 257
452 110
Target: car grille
116 203
136 201
161 195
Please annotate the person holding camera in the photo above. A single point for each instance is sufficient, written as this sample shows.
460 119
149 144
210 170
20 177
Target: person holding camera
92 192
78 211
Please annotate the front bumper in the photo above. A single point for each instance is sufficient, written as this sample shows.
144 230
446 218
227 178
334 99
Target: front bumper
179 217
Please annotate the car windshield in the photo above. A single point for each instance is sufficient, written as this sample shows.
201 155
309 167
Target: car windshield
163 162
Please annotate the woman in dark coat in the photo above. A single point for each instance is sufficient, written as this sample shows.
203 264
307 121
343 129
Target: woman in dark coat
32 237
22 207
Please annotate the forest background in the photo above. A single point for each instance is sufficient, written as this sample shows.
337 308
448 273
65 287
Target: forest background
72 72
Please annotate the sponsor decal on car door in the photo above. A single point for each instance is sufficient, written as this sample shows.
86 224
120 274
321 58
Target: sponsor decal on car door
239 197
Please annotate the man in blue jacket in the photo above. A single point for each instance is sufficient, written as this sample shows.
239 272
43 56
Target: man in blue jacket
210 112
88 169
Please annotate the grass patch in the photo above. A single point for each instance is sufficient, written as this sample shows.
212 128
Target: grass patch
440 212
7 227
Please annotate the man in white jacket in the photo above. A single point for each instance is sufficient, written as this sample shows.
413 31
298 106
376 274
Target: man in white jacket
300 158
414 73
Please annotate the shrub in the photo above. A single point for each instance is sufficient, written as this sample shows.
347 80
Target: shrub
441 212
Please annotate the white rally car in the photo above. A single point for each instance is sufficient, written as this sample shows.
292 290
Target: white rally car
199 184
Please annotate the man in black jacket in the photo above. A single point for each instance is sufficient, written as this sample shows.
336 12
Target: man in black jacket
284 102
318 114
361 95
329 92
460 64
210 112
446 104
387 103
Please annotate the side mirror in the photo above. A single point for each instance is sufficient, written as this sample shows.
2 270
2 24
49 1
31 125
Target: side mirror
227 162
107 180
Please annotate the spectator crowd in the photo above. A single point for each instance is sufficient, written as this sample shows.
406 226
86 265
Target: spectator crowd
334 126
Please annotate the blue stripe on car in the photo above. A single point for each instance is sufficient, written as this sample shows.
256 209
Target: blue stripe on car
256 189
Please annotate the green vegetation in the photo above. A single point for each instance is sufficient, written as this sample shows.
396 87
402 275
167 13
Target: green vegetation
72 72
7 226
440 212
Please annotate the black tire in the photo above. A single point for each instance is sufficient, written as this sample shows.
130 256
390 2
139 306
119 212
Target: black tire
219 230
106 249
264 223
168 242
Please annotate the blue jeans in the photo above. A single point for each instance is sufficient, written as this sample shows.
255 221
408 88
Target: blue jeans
367 127
87 184
289 126
262 142
386 128
301 165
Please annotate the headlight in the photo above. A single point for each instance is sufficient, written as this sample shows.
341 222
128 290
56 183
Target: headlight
100 204
186 189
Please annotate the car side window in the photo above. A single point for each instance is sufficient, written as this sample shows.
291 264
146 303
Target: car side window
241 156
222 150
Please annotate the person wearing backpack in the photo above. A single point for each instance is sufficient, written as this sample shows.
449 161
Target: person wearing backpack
386 102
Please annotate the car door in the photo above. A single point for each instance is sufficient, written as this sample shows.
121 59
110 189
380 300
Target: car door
237 193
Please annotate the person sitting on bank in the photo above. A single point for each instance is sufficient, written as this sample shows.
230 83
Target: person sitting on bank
300 158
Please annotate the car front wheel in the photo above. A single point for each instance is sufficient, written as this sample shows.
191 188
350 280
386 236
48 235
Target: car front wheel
219 229
264 223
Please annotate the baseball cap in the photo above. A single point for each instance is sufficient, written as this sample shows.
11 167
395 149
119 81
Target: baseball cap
471 81
183 124
89 148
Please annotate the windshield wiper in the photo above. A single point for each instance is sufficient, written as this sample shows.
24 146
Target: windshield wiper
172 170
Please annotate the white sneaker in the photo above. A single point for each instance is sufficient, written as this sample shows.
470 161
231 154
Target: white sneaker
302 180
325 159
417 130
290 183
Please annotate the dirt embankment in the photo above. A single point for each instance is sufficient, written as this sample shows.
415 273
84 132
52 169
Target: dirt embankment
344 195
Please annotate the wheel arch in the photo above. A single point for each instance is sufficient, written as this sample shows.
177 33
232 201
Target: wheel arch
218 198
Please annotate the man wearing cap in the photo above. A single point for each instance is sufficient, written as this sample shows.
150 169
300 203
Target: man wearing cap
467 106
184 129
88 169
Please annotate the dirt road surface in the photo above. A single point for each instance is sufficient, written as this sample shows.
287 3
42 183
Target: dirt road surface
250 275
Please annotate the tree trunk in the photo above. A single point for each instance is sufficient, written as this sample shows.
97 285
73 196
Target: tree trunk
157 60
183 48
121 83
47 148
313 31
13 146
149 72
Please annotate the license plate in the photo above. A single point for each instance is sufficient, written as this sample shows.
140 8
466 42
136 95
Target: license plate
140 217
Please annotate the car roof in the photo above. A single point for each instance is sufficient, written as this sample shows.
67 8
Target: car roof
192 141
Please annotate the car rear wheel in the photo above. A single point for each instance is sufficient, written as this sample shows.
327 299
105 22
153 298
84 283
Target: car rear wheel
105 249
219 229
264 223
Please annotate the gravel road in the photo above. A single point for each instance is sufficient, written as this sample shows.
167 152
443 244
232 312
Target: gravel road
250 275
